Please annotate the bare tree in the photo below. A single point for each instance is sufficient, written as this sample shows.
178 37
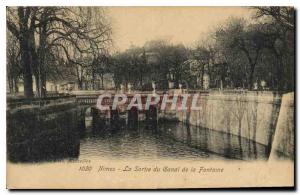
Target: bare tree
13 63
21 23
59 31
239 41
279 30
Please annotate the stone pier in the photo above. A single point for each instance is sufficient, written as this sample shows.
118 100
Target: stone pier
283 143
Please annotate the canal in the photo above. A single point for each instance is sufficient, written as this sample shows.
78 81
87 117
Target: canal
61 132
168 140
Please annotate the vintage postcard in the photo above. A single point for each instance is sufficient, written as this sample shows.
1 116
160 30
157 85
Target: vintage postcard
150 97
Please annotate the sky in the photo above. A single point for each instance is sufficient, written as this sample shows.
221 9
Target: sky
186 25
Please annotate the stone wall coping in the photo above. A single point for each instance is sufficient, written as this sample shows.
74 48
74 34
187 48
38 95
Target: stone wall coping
288 99
267 99
45 108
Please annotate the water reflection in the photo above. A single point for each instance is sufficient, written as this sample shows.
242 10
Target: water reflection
215 142
148 141
169 140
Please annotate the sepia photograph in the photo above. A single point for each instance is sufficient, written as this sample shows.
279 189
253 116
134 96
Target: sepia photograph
101 97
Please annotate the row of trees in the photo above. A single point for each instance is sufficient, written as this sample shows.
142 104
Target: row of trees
157 61
238 54
259 51
48 42
52 43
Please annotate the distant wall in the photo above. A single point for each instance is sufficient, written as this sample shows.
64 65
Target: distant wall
251 115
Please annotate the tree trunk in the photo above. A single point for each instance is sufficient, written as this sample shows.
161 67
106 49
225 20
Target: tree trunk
26 64
10 84
250 82
280 72
37 84
202 75
102 81
43 85
93 79
16 88
176 82
42 57
141 80
79 84
24 38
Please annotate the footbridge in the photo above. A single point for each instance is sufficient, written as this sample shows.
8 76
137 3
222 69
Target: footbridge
130 107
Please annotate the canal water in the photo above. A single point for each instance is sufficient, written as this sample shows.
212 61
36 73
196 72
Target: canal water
167 140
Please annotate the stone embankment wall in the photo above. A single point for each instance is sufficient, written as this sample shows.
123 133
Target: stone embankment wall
37 133
252 115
